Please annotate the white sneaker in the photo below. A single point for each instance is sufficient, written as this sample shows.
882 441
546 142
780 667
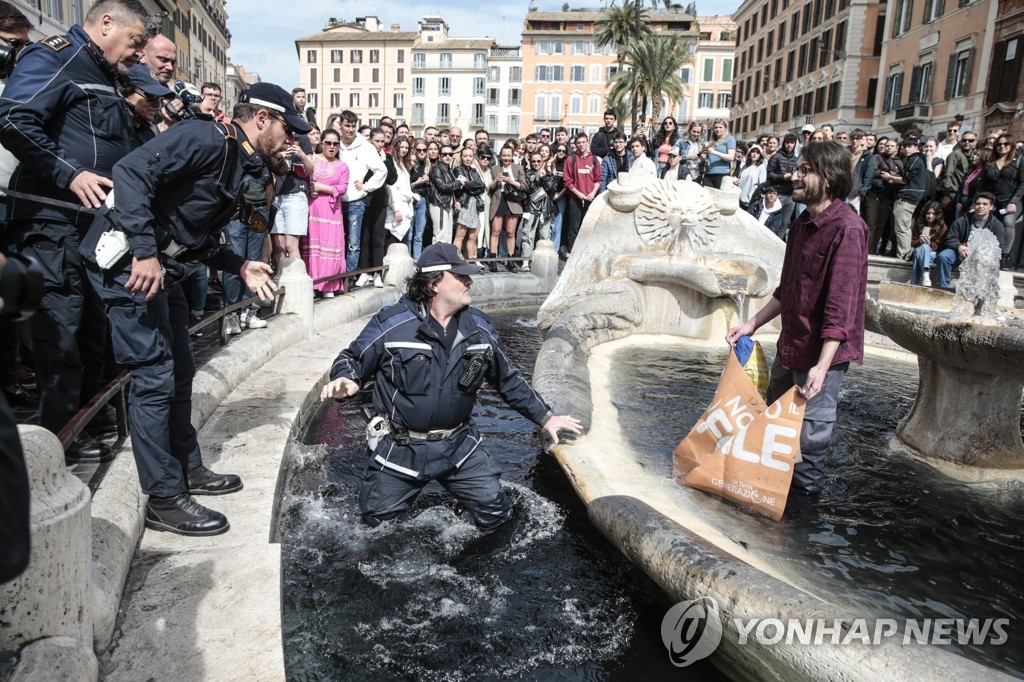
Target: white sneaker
232 324
250 320
526 267
328 294
377 281
926 281
363 280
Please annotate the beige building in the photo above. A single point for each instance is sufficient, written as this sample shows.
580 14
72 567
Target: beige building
565 73
449 78
806 62
709 95
358 66
934 61
504 91
208 41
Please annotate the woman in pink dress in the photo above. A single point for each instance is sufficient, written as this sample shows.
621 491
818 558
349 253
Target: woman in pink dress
323 249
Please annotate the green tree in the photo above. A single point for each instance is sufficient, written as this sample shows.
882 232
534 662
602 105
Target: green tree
616 27
654 71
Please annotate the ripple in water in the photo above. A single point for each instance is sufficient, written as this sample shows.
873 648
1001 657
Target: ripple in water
432 597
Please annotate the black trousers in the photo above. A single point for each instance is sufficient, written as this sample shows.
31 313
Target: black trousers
69 329
374 239
151 339
576 211
14 494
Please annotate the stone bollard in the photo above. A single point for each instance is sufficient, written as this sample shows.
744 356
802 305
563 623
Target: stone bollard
52 600
399 266
544 263
298 299
55 659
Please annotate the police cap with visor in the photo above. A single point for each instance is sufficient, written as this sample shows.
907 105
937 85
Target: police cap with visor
142 81
275 98
445 257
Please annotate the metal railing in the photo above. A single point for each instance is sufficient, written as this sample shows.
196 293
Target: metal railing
114 391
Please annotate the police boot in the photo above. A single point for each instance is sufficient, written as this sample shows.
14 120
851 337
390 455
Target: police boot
181 514
86 449
202 481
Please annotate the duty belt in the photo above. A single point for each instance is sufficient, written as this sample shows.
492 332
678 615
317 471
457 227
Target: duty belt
403 435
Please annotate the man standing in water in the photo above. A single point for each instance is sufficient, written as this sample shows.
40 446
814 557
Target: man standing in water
430 353
821 300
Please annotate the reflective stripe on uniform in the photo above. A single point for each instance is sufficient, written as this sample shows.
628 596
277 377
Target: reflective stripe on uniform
384 463
408 344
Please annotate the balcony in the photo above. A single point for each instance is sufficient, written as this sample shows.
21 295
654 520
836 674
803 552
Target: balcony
909 116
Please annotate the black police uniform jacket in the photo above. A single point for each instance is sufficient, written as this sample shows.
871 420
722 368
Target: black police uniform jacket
417 384
185 184
61 114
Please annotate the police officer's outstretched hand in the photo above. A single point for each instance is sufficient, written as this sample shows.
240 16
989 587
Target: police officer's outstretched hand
146 277
339 388
557 423
88 187
257 276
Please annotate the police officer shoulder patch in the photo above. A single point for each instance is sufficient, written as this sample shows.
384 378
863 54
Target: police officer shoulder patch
56 43
247 148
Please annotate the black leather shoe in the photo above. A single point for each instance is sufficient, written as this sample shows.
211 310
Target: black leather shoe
183 515
202 481
86 449
492 266
563 253
511 266
19 395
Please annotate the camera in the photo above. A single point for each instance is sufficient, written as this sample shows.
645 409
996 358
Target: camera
189 97
21 287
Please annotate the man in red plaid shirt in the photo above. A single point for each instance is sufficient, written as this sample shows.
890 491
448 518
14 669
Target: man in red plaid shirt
821 300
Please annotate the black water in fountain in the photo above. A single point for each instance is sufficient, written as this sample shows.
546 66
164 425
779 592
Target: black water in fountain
890 536
432 598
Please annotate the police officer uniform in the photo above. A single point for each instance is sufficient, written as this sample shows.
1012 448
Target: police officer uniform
173 195
427 378
61 114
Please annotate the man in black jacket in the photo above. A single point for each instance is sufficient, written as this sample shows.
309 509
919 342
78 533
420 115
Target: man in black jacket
780 171
912 186
956 248
173 196
601 141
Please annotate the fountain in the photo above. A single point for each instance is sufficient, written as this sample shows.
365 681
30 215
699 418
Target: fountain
967 410
660 271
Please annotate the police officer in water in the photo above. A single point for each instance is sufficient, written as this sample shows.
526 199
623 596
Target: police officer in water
171 198
430 353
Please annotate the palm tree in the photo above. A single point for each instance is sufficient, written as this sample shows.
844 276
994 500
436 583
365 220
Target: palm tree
639 36
616 28
655 64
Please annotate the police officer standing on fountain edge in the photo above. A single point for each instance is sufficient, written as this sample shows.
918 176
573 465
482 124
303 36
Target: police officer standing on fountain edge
172 197
430 353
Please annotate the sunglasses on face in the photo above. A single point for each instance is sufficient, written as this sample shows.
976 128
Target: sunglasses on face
421 149
559 151
330 143
447 154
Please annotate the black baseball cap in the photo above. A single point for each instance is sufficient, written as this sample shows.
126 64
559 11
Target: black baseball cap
142 81
275 98
441 257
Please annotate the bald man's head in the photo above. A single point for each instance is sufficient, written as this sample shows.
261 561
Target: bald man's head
161 56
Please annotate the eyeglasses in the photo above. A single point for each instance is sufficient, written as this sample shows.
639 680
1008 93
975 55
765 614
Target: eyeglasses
16 43
328 143
969 140
1003 144
560 151
447 154
421 149
803 171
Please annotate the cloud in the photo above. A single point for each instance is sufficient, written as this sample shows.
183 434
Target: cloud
263 34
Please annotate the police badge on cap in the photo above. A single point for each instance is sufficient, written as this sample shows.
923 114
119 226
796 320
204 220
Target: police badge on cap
275 98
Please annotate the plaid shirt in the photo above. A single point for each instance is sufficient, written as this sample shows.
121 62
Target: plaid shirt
824 281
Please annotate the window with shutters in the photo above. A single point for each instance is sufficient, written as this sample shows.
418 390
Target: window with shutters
540 106
417 113
893 92
819 100
807 17
335 100
709 70
724 100
825 51
355 75
790 64
418 87
760 49
921 83
337 75
785 110
933 9
445 60
794 27
577 73
901 18
443 110
958 77
515 74
478 114
312 79
336 56
840 46
400 75
311 56
798 105
576 103
833 95
515 97
1005 77
556 107
706 100
478 87
493 96
373 100
727 70
400 56
419 60
782 35
802 63
355 56
375 75
444 87
353 100
817 12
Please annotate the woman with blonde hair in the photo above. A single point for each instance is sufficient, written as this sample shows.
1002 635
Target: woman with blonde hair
721 150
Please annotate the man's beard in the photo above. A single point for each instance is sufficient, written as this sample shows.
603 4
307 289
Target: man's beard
273 158
809 196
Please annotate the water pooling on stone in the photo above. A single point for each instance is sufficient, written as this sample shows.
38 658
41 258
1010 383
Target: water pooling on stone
431 598
889 536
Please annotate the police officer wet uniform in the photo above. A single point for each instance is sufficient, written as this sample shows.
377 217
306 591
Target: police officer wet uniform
427 378
172 197
61 114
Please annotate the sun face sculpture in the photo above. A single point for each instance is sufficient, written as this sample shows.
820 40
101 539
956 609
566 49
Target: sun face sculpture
680 217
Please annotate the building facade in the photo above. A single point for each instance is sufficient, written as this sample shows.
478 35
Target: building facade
709 91
449 78
1004 96
934 59
504 91
806 62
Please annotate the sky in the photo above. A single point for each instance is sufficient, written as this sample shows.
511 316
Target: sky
263 33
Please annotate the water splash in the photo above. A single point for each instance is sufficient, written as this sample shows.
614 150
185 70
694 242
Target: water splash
977 290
